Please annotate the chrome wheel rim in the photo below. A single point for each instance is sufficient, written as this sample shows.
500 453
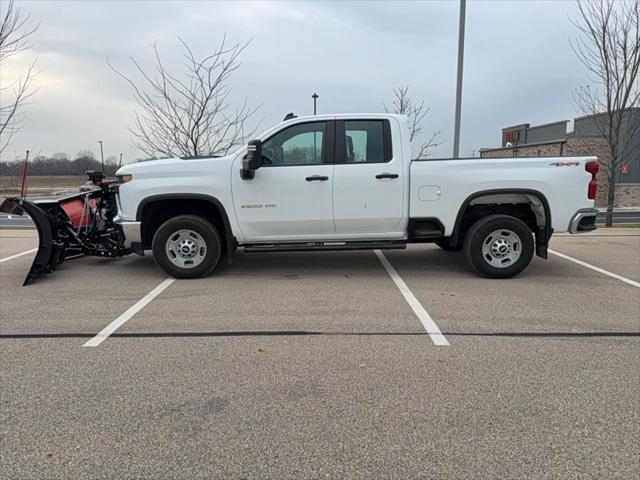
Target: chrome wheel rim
186 248
501 248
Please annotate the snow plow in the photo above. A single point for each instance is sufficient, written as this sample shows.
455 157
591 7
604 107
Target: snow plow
72 226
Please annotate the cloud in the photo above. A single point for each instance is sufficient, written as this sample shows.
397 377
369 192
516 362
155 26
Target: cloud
518 65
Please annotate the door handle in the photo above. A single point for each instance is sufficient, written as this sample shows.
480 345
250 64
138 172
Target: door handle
387 175
317 178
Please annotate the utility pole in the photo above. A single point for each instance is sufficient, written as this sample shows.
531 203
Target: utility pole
315 97
120 163
101 155
456 127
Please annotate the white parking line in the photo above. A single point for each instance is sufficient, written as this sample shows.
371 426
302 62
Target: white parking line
597 269
427 322
122 319
6 259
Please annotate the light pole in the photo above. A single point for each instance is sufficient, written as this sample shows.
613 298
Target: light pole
315 97
456 126
101 155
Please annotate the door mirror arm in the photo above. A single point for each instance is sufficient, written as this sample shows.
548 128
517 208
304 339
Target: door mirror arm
252 160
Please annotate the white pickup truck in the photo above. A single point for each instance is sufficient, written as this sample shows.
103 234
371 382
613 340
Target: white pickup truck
346 182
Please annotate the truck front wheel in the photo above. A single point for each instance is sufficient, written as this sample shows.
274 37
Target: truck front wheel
499 246
187 246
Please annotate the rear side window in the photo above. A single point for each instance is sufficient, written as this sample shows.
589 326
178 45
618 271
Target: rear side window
364 141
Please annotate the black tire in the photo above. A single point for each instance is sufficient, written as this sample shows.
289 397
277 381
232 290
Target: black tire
496 231
205 233
447 246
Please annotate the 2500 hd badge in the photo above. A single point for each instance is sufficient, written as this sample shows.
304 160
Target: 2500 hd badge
259 205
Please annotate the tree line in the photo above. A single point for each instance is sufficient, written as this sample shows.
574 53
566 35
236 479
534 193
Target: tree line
60 164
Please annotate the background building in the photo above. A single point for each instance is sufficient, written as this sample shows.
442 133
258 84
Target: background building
581 138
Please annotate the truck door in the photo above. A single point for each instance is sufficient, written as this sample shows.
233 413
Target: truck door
368 190
290 196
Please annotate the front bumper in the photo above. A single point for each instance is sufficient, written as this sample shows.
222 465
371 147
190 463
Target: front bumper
132 234
584 220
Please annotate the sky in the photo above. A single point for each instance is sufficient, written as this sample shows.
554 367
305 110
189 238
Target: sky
518 65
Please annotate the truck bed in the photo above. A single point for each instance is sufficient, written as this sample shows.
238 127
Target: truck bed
439 187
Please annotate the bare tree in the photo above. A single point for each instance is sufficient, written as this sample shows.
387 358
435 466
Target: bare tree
609 47
403 104
15 30
189 114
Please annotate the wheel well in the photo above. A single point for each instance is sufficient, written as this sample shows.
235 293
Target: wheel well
532 209
154 213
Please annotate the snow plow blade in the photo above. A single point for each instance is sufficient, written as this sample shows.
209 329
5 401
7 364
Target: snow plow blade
50 253
68 227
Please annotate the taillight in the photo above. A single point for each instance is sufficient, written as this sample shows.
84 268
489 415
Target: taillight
592 168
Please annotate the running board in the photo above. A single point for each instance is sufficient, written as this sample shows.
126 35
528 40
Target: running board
324 246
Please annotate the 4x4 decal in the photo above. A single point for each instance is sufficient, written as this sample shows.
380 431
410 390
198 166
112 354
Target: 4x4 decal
564 164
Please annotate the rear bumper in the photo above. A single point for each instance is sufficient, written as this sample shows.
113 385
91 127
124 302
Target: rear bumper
584 220
131 232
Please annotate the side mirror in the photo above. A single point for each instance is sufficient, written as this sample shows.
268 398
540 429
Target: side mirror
252 160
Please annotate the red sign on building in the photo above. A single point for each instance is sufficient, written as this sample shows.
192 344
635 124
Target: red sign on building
511 137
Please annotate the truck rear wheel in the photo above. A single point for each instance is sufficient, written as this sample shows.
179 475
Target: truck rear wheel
499 246
187 246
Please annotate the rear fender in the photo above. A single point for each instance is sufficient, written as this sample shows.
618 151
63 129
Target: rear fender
539 205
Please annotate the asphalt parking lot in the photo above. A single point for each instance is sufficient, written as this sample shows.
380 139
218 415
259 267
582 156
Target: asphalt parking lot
322 365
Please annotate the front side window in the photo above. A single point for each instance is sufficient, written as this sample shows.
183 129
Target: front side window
297 145
364 141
